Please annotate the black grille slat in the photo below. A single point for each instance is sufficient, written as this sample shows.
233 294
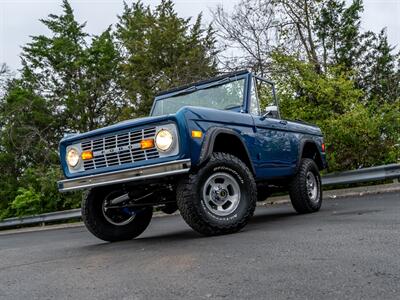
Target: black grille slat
104 148
87 146
89 165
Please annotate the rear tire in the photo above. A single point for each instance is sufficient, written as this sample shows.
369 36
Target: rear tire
305 189
104 227
219 198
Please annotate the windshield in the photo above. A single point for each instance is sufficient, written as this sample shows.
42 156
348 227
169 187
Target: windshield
224 96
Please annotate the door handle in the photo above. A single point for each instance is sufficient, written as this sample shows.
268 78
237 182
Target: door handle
283 122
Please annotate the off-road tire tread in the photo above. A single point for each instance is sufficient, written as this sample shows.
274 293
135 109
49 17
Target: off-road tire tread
298 190
186 193
120 233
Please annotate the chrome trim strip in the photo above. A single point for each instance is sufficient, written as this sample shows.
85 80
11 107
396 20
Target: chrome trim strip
147 172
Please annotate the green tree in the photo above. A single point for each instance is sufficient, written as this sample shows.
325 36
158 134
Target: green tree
328 71
27 202
161 50
337 28
379 72
355 136
72 81
68 83
75 74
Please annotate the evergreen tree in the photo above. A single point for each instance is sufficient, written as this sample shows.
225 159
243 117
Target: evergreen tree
379 72
77 78
338 30
71 81
68 83
161 50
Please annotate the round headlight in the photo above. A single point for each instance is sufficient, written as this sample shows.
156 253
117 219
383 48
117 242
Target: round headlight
164 140
72 157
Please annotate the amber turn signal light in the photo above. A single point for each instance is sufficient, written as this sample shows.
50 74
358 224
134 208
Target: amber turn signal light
87 155
197 134
323 147
146 144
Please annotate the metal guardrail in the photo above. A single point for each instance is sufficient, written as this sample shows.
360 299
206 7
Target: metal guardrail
42 218
385 172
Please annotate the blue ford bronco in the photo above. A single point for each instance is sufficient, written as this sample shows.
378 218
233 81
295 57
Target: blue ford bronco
210 150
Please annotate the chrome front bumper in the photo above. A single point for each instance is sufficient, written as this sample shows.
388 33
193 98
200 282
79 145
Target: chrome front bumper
147 172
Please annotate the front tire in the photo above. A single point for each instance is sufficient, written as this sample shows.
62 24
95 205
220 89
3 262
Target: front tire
219 198
305 189
114 224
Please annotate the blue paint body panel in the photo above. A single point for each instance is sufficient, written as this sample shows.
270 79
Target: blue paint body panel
274 145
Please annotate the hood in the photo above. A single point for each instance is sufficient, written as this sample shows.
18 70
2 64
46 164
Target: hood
118 127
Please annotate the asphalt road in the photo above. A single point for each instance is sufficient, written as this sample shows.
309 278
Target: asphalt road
350 249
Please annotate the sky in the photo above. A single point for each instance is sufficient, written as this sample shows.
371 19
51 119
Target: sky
19 19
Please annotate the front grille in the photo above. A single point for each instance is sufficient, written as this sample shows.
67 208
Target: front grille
119 149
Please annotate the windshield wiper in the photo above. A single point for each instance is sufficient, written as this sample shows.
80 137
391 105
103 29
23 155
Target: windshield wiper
232 106
219 82
195 88
186 91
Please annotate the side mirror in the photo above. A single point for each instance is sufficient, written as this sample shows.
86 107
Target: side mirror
271 112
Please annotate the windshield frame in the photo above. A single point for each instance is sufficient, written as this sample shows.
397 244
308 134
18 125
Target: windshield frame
274 96
213 82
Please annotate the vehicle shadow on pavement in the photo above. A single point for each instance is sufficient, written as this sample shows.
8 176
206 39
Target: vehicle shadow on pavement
271 217
156 235
173 237
189 234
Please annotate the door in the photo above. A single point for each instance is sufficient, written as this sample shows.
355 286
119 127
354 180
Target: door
275 144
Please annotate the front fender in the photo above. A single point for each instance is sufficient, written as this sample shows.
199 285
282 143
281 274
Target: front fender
209 141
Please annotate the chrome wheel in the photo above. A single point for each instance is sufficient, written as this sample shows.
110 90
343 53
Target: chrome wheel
221 194
312 187
118 216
